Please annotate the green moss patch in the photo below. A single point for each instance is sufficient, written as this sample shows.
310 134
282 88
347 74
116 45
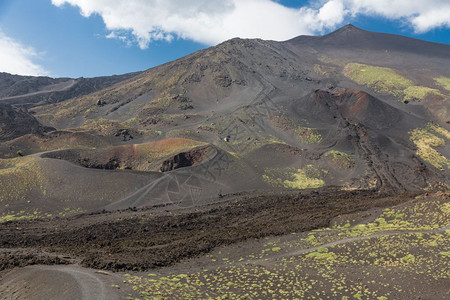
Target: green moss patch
23 215
307 177
444 82
418 93
20 177
387 80
340 159
309 135
426 142
439 130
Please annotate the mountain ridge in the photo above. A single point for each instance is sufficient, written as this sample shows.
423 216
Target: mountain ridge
289 115
353 32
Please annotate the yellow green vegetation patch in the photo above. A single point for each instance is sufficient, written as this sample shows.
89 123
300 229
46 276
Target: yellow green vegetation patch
36 214
421 216
439 130
305 134
426 141
418 92
307 177
381 79
22 215
15 162
21 176
70 211
444 82
322 253
309 135
340 159
387 80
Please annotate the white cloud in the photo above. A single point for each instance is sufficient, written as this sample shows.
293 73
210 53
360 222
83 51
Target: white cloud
16 58
330 15
422 15
213 21
204 21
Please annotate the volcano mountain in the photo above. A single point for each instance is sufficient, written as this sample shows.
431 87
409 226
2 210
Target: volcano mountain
353 111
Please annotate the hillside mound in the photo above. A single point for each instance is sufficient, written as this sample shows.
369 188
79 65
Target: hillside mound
163 155
17 89
356 38
16 121
358 107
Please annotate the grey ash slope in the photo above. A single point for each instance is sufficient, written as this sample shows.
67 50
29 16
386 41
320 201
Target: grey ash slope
16 122
353 38
17 89
239 69
17 93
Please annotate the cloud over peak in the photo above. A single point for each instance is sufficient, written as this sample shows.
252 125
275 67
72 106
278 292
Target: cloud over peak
205 21
213 21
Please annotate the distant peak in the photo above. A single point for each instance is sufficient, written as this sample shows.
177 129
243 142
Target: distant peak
347 30
349 27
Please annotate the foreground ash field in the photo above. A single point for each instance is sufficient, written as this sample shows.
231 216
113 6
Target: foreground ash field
311 168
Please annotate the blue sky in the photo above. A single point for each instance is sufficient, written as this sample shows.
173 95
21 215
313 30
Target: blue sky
74 38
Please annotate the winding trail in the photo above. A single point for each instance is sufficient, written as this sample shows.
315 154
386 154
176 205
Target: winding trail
350 240
58 282
70 83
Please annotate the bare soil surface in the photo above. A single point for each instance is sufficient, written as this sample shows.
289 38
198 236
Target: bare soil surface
232 247
399 255
148 238
59 282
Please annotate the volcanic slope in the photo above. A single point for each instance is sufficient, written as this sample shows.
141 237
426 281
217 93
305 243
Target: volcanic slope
17 89
17 121
353 109
245 146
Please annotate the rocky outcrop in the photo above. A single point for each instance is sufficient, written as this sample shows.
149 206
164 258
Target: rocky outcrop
17 121
187 159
